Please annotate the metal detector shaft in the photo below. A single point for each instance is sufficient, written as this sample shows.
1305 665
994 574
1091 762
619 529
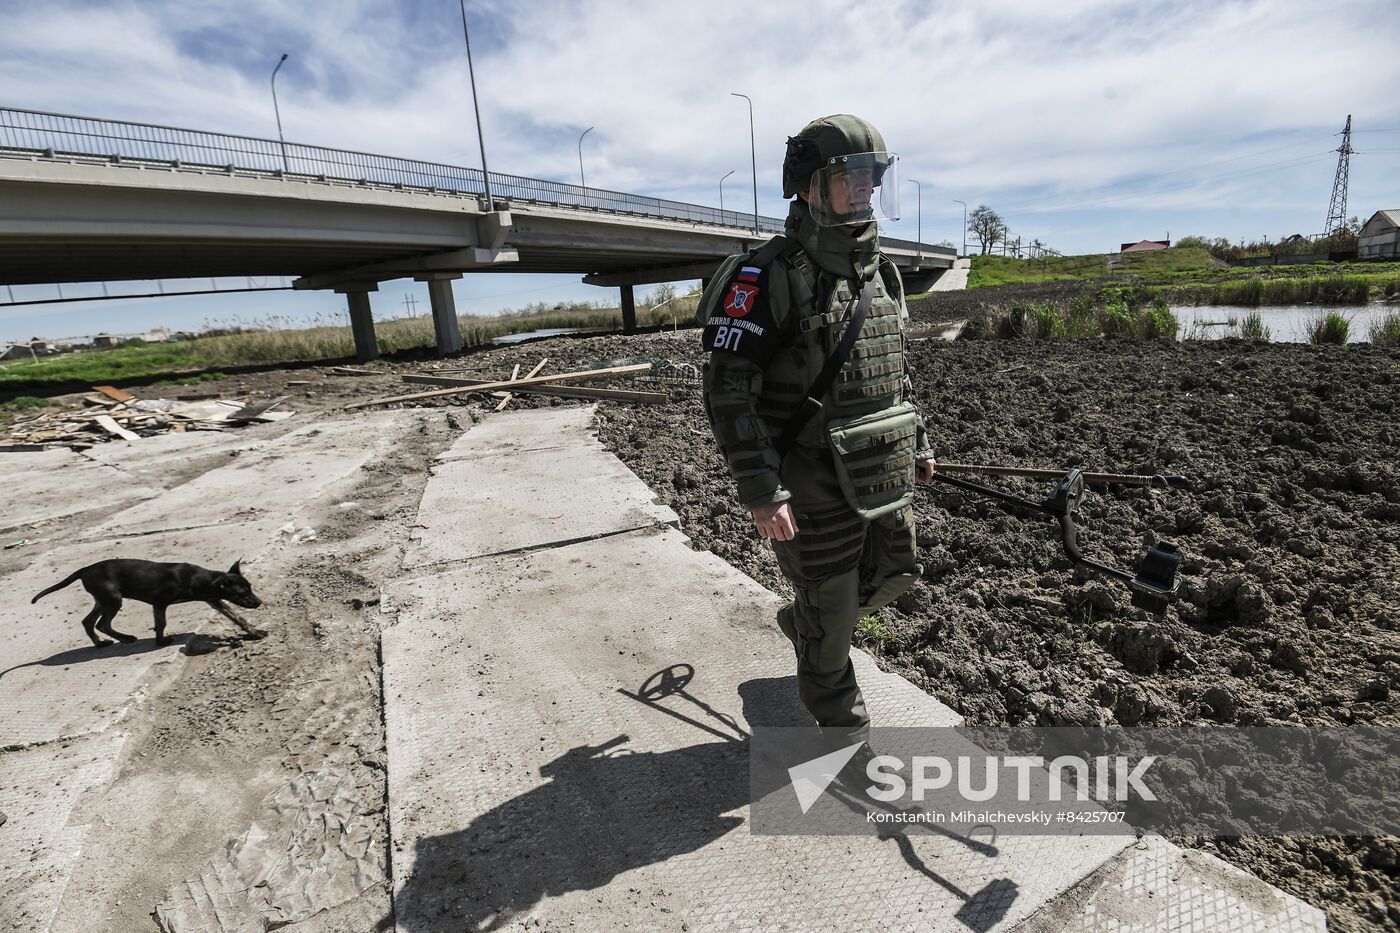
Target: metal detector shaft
1155 582
1101 479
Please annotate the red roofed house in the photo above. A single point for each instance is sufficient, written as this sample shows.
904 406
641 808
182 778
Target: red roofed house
1143 246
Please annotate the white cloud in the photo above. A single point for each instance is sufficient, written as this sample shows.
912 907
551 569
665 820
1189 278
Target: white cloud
1084 120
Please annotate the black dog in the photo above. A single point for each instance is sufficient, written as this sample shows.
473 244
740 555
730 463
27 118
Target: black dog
161 585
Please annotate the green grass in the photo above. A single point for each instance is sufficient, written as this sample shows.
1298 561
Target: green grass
1197 279
1128 313
873 634
1163 264
1385 332
275 342
1254 328
1332 327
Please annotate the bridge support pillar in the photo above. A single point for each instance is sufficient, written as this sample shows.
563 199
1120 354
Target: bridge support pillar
361 317
445 326
362 326
629 310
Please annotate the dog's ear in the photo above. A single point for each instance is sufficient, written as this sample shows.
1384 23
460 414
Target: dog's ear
234 569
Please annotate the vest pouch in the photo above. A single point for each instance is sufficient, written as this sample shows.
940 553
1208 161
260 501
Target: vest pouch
874 457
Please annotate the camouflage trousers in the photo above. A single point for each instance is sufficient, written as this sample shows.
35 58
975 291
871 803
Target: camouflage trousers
841 567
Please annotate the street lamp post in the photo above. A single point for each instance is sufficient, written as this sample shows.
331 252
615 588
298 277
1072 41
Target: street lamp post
721 192
920 235
753 156
480 136
277 110
582 183
964 204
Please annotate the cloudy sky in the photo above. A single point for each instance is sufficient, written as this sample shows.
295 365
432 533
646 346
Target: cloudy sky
1083 123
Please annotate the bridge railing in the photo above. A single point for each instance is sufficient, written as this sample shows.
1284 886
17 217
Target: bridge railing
54 135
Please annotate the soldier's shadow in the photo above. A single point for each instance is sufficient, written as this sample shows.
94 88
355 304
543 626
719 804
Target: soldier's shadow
604 810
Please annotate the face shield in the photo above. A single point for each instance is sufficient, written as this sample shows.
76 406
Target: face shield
855 189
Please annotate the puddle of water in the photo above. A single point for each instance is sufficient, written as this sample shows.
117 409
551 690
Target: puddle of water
1287 324
531 334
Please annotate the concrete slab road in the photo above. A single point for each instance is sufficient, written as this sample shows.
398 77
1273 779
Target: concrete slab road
530 783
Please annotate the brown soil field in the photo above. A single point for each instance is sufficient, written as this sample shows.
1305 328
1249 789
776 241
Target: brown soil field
1291 595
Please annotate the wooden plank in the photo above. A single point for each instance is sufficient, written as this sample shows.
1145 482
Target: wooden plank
114 393
619 395
519 383
505 399
111 427
351 371
250 412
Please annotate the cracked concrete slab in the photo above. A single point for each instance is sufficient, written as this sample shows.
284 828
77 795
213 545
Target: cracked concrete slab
54 483
513 742
41 791
151 459
55 682
1156 887
519 431
530 784
61 697
519 493
267 481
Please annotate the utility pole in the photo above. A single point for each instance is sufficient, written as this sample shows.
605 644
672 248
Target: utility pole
964 204
277 110
410 303
480 137
1337 208
753 155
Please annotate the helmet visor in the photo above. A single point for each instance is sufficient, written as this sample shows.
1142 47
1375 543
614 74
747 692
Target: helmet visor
855 189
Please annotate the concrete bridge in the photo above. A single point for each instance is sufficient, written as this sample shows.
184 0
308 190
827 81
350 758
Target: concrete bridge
88 200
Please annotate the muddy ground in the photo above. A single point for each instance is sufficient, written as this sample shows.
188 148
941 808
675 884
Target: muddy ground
1288 611
1291 592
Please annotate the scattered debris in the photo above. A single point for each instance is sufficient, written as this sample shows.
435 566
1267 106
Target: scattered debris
298 535
106 423
519 383
590 392
20 543
105 416
507 396
114 393
350 371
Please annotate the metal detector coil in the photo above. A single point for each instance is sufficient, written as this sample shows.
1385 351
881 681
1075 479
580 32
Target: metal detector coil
1157 579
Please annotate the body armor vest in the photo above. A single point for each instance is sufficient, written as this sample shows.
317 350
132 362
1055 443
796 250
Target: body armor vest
872 379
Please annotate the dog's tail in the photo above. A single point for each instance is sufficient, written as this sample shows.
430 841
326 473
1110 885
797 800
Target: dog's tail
57 586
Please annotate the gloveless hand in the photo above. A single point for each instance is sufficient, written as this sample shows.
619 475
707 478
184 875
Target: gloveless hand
775 521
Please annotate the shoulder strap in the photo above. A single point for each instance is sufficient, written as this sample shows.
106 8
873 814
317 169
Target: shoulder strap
775 247
838 358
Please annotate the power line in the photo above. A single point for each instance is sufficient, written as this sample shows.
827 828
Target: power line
1164 189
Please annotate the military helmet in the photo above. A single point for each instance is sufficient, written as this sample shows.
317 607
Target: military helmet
829 147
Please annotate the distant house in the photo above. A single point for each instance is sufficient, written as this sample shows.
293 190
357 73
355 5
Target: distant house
1143 246
1380 237
26 349
104 341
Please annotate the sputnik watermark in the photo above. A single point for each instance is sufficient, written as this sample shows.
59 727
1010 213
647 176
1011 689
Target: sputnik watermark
1117 778
1076 780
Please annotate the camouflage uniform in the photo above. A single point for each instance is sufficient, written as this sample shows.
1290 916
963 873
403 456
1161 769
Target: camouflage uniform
770 329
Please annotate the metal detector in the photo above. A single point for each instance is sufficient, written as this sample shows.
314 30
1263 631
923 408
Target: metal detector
1157 578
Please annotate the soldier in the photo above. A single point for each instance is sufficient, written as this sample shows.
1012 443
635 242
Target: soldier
809 398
